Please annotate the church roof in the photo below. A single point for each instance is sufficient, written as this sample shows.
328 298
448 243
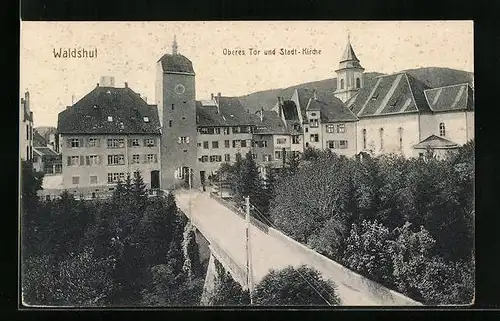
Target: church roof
398 93
436 142
176 63
448 98
110 110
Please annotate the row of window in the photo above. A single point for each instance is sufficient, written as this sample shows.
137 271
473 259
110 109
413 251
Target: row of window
112 178
225 130
358 83
119 159
337 144
111 142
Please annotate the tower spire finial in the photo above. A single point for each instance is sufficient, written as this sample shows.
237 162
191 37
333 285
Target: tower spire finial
174 46
348 36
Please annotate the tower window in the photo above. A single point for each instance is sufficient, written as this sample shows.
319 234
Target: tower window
341 83
442 129
172 106
170 123
358 83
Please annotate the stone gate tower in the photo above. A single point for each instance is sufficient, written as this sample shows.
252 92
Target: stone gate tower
175 97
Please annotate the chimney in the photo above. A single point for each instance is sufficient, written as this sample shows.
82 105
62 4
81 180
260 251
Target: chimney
280 107
315 94
97 84
107 81
72 99
126 86
261 113
212 96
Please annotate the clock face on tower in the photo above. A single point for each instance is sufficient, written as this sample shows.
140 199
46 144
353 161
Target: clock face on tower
179 89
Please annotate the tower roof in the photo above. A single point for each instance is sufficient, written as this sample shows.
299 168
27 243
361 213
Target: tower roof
349 59
176 62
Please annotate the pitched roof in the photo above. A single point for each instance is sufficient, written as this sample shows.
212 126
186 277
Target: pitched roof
271 123
232 113
128 111
398 93
454 97
332 111
45 151
290 110
305 94
436 142
176 63
38 139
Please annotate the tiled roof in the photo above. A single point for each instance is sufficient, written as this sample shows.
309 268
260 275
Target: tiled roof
176 63
454 97
290 110
436 142
232 113
46 151
390 94
271 123
332 111
128 111
305 94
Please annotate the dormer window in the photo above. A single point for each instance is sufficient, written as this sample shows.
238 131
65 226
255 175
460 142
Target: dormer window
146 119
375 96
110 118
121 125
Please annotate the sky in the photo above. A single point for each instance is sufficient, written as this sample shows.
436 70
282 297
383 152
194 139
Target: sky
129 51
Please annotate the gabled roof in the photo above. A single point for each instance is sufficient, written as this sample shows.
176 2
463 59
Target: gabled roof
305 94
290 111
398 93
232 113
45 151
176 63
128 111
454 97
436 142
332 111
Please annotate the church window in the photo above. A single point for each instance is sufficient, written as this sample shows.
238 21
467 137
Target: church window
358 83
400 130
442 129
341 83
172 106
381 130
364 138
170 123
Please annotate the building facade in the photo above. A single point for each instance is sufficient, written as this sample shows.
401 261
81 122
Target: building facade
25 128
109 133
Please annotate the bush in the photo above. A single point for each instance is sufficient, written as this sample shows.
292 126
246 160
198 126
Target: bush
295 286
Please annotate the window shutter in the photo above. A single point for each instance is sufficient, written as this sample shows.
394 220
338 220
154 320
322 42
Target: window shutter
82 160
100 159
129 142
68 142
87 160
145 142
179 140
80 142
69 160
144 158
187 140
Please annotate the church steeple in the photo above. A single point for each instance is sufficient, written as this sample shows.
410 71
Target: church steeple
349 73
174 46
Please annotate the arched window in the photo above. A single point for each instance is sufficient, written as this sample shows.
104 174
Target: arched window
381 130
358 83
442 129
400 131
341 83
364 138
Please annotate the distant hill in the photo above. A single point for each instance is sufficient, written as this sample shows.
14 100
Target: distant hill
432 76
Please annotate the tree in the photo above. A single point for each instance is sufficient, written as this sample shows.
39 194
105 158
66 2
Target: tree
227 292
367 251
295 286
38 280
139 191
192 264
